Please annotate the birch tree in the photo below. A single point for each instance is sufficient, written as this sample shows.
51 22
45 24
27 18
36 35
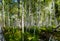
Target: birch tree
3 14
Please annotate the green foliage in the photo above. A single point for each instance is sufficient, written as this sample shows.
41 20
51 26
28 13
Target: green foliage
40 11
30 37
12 34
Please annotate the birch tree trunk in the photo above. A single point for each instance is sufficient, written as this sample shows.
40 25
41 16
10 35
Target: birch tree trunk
23 17
23 21
3 14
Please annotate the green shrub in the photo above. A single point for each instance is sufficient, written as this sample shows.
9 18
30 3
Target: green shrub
15 34
30 37
12 34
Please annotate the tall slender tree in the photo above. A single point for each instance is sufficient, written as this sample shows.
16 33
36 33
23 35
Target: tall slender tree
3 14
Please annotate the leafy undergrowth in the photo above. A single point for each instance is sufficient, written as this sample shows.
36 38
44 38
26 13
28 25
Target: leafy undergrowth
12 34
15 34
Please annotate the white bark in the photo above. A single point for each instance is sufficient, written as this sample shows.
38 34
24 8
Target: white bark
23 20
3 14
23 23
